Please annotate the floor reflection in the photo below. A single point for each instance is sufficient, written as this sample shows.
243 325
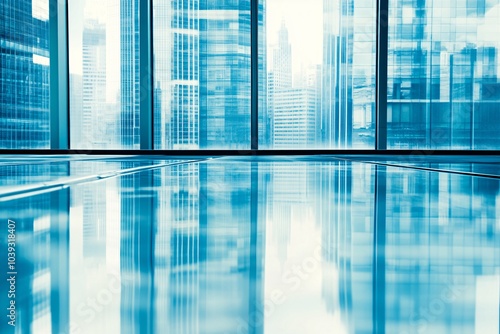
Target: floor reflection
252 246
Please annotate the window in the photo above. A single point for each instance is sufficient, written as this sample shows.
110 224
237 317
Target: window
443 87
316 65
202 74
104 74
320 74
24 74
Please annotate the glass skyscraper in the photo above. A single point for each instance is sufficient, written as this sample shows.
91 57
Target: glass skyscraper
24 74
94 84
177 73
348 81
130 81
225 74
443 87
202 71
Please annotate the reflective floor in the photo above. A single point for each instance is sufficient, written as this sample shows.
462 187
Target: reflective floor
249 245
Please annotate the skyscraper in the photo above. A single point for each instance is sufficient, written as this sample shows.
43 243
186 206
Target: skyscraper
282 60
24 74
294 117
348 84
443 87
336 111
130 82
202 63
279 76
92 120
224 74
292 107
177 72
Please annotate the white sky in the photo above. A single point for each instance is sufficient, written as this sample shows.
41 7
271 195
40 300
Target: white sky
488 31
304 20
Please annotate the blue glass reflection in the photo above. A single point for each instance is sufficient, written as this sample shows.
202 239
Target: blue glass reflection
251 246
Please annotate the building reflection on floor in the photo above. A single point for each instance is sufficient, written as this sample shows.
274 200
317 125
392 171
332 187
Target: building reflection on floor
252 247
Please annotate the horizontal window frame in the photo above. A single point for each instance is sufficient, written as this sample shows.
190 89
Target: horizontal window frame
416 154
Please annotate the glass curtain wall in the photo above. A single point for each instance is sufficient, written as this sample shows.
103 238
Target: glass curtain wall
320 74
316 74
443 86
202 74
24 74
104 74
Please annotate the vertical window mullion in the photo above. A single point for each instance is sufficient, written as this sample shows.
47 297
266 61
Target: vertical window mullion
381 74
146 74
59 75
254 68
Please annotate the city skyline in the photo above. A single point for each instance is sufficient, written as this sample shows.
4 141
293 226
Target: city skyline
443 76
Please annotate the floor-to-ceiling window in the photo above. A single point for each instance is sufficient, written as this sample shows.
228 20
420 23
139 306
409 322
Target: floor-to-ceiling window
320 74
443 68
317 63
202 61
24 74
104 76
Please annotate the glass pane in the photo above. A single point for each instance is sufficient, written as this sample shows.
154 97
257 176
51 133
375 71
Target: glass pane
24 74
202 74
320 74
443 87
104 74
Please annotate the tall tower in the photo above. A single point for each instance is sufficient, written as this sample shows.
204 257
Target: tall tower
337 102
94 84
225 86
202 64
24 75
280 76
129 80
282 60
292 107
177 72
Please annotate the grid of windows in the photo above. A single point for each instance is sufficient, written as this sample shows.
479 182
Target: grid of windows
316 88
24 74
202 67
443 87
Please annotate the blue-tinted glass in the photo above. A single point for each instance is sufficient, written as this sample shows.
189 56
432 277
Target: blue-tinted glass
443 87
238 245
104 74
202 74
320 74
24 74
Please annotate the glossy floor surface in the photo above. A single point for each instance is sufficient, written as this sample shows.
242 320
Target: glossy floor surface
249 245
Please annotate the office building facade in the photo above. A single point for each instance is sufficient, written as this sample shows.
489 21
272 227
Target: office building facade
443 87
347 110
24 74
202 64
130 81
